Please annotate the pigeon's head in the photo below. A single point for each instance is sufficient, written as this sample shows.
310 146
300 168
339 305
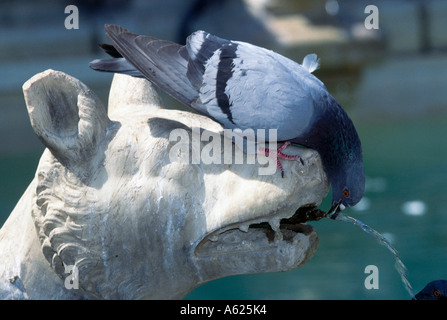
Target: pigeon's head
435 290
348 186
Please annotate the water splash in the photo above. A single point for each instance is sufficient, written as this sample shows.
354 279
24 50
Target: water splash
399 265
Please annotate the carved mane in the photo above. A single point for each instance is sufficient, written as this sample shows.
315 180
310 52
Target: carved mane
61 213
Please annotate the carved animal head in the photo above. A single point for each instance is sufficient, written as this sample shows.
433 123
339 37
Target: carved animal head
136 224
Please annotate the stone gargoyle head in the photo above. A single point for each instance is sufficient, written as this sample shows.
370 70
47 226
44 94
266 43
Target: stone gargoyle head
111 199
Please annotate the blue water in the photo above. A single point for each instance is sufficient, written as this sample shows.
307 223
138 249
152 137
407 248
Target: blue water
404 161
16 172
383 240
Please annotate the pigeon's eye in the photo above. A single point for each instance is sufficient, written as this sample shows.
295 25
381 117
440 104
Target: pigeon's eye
346 193
436 293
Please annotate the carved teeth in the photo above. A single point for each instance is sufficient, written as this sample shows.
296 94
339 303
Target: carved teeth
274 224
244 227
213 238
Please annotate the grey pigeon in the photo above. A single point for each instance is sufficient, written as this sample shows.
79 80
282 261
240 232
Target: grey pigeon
435 290
244 86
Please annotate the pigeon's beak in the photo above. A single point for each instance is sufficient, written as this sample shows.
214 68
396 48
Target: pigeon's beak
336 208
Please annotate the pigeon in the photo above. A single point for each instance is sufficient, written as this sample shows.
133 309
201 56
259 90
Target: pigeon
435 290
243 86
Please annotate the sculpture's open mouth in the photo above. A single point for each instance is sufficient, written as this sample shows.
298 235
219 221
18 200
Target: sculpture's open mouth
259 234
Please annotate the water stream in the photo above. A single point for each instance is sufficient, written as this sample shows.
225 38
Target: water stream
399 265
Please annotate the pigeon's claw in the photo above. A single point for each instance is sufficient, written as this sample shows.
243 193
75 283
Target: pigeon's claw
280 155
286 156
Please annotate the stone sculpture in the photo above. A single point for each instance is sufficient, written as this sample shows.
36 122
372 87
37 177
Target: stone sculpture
110 214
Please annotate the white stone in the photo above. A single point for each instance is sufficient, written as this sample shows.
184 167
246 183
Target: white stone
107 199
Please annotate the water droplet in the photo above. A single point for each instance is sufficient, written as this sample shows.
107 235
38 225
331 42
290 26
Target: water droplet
376 184
332 7
363 205
390 237
414 208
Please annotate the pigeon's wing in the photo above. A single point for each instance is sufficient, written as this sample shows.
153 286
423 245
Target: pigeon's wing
162 62
245 86
117 65
235 83
205 53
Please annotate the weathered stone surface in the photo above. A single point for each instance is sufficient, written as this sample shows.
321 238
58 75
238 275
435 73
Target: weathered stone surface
112 198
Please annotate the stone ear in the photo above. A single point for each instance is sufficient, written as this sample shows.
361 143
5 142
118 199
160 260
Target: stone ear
65 114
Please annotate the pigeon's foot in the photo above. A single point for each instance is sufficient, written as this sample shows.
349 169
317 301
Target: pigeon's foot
278 153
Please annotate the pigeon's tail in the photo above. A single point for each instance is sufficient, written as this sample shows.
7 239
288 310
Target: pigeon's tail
110 50
164 63
117 65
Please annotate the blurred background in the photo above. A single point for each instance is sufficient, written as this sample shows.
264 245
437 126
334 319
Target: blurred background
392 81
